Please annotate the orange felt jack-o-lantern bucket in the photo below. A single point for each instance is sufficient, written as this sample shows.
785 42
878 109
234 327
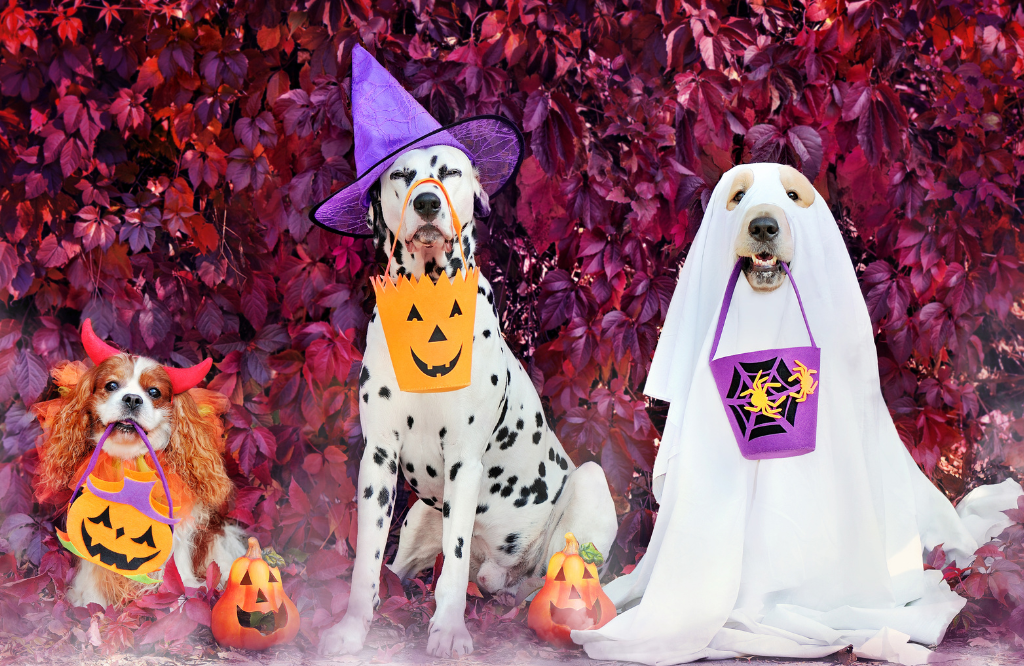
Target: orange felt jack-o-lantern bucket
572 597
429 326
120 525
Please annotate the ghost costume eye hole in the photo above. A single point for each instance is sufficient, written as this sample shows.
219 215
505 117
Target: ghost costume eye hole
793 195
738 196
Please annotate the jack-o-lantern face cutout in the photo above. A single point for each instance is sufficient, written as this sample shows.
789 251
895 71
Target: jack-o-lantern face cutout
429 326
572 597
254 611
119 526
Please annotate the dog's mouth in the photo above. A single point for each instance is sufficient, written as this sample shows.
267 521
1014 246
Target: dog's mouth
428 236
762 262
127 427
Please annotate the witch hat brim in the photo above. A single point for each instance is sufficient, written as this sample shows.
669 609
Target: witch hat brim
493 143
388 121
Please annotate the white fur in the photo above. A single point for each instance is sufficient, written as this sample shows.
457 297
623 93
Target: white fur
154 421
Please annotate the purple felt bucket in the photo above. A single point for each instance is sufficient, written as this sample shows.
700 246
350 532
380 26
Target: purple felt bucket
770 396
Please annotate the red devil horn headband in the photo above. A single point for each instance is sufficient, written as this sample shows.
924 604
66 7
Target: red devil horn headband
182 379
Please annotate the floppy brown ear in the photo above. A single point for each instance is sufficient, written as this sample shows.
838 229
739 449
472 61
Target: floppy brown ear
194 454
69 440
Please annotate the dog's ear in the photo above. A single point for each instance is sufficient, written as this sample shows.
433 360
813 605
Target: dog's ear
481 205
375 215
194 453
69 440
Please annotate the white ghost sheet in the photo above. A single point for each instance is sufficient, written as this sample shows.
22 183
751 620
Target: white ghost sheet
789 557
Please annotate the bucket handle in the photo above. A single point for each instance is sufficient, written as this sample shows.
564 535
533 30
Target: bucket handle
96 457
728 300
401 222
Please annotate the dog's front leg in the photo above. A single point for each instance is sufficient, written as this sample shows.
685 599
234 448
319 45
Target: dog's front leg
378 471
448 633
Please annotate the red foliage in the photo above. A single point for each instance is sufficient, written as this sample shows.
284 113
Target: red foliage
157 161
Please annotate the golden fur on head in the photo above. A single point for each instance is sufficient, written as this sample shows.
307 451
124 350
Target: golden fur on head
190 435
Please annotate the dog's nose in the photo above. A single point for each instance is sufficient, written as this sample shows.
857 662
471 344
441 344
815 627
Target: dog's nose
427 204
132 401
764 228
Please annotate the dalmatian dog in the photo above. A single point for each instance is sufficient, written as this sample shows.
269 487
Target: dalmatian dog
496 490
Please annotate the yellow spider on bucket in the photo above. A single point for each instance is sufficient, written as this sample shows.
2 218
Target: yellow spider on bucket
807 383
759 397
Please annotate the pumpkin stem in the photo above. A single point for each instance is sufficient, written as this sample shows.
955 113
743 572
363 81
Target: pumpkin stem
254 552
572 546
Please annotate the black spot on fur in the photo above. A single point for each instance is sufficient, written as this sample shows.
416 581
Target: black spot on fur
368 493
364 376
366 397
563 463
458 549
383 496
495 488
471 419
454 471
536 437
380 523
520 424
510 484
384 392
447 510
540 490
494 472
502 434
433 160
427 501
373 316
393 466
481 508
551 455
541 469
444 431
494 380
409 468
412 482
431 471
380 455
540 419
409 421
560 488
395 433
376 555
512 436
487 332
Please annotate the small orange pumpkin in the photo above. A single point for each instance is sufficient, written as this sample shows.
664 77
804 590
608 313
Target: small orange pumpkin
254 612
572 597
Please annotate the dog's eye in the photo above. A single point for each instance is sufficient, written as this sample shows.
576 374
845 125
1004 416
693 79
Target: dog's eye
154 393
738 196
793 195
111 386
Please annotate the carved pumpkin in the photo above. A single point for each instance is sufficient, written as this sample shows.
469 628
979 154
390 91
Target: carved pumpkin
429 326
572 597
254 612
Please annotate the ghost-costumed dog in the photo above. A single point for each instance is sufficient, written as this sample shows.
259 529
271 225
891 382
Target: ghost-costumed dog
119 404
496 490
793 556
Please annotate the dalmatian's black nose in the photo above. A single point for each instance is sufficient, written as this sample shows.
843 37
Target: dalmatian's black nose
427 204
764 228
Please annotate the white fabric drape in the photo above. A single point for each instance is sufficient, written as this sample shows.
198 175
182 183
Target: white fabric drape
791 557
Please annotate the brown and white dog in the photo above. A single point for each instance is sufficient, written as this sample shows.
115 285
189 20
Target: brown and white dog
124 389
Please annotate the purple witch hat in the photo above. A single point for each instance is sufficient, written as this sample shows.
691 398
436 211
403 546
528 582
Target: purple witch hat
388 121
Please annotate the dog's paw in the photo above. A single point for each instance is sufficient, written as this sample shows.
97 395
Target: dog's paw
448 640
346 637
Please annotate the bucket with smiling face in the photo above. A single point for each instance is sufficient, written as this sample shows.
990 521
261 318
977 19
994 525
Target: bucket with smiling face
770 396
429 326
